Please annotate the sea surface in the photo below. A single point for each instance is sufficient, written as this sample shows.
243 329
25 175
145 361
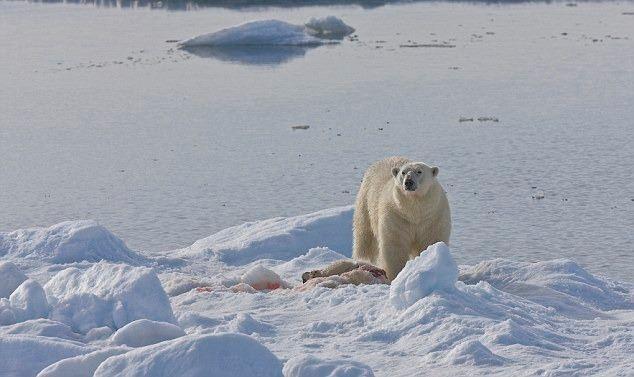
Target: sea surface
529 115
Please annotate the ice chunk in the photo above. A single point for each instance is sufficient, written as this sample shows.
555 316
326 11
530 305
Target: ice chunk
10 278
83 365
107 294
223 355
328 27
257 33
25 356
310 366
279 238
263 279
433 270
66 242
316 31
143 332
29 301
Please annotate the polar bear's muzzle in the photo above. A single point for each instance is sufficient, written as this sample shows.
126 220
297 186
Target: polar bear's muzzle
409 184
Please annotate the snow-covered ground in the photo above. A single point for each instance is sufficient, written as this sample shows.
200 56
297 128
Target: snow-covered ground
106 310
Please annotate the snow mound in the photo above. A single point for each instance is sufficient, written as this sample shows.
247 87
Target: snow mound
41 327
244 323
279 238
310 366
81 366
25 356
316 258
10 278
144 332
107 294
274 33
472 352
177 283
28 301
229 355
328 27
261 278
559 284
67 242
433 270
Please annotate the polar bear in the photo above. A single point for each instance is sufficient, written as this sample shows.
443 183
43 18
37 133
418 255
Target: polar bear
401 208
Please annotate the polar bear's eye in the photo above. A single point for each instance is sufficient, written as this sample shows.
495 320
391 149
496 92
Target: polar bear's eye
419 172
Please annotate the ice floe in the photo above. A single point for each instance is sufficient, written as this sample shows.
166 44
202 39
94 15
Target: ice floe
316 31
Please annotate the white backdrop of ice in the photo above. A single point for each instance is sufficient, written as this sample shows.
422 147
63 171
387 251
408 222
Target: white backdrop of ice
107 294
274 33
224 355
433 270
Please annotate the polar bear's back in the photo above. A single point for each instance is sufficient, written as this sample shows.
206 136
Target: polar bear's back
381 171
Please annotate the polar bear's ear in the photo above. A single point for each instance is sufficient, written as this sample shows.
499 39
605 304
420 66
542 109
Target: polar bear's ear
434 171
395 171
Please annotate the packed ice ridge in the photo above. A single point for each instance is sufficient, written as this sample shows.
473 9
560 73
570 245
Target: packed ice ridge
105 310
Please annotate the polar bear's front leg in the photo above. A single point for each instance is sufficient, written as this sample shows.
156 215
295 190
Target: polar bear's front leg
393 249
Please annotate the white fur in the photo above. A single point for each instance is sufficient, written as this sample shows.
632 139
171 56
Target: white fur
391 224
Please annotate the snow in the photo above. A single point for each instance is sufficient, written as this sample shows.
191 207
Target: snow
66 242
10 278
25 356
278 238
310 366
41 327
274 33
237 306
82 365
433 270
143 332
29 301
107 294
228 355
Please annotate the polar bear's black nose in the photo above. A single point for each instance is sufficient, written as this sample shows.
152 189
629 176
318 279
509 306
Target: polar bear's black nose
409 184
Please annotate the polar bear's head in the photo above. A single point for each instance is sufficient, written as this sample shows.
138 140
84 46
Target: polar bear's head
415 177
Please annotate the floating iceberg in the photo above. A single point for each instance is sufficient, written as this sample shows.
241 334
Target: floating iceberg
316 32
